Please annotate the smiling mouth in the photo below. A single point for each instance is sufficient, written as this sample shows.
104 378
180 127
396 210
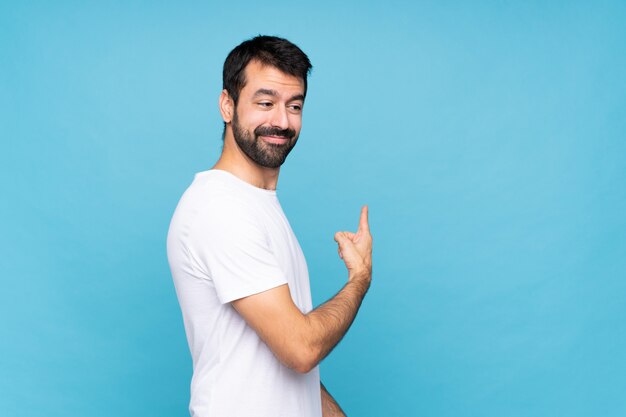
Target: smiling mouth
276 140
273 135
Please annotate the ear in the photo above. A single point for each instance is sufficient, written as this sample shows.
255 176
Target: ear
227 106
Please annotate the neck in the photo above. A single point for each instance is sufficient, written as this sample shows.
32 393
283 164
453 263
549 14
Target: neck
240 165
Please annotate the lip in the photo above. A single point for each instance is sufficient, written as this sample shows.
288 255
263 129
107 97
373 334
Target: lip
276 140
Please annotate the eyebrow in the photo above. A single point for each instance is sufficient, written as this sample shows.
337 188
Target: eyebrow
274 93
265 92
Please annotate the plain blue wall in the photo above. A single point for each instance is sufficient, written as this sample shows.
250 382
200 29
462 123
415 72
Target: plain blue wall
488 139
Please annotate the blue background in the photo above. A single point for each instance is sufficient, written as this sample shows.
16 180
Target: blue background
488 139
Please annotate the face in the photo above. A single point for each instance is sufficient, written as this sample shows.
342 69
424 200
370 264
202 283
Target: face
268 116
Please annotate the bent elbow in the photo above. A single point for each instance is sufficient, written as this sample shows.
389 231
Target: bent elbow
304 367
304 361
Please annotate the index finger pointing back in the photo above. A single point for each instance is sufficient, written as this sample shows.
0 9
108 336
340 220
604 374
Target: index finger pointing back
363 222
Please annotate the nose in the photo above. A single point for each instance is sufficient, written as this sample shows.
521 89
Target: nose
280 118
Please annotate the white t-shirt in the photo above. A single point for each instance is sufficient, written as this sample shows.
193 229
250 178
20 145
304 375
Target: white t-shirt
228 240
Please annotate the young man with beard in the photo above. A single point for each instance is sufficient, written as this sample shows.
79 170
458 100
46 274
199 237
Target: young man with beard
240 275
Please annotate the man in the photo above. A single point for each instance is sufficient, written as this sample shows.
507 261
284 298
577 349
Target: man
240 275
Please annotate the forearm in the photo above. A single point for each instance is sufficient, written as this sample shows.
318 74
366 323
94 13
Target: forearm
328 323
301 341
330 408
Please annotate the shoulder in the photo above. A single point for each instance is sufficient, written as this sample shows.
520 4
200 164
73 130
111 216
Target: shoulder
217 204
212 192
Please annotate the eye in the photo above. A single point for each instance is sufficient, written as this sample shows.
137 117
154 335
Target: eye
265 104
296 107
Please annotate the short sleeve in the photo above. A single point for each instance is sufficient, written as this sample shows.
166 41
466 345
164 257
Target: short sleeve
232 245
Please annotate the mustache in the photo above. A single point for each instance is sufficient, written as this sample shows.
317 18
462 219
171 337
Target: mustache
274 131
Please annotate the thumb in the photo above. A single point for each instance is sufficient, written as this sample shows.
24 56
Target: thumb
342 239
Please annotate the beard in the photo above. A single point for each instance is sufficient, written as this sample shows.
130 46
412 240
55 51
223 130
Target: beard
268 155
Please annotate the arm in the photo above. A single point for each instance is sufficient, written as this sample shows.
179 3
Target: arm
330 408
301 341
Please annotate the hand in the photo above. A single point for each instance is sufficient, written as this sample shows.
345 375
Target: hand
356 249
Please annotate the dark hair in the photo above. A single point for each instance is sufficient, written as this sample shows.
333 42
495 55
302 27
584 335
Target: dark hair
268 50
